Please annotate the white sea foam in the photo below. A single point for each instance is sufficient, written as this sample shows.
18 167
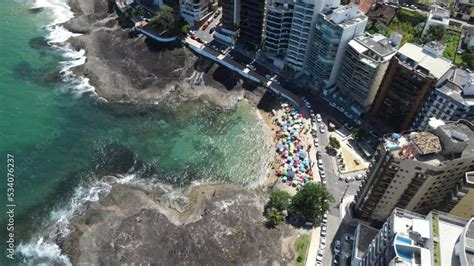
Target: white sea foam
61 11
42 252
57 35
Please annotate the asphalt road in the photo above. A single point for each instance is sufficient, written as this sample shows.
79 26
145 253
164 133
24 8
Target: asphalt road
206 35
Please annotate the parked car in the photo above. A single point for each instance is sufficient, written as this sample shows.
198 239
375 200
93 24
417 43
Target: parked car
212 30
319 258
349 179
332 104
340 109
349 238
359 177
322 174
318 118
337 247
318 154
322 128
323 241
358 122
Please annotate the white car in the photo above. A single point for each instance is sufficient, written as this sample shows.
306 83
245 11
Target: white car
323 241
337 247
318 118
323 233
324 182
359 177
319 258
340 109
358 122
350 179
322 128
332 104
322 174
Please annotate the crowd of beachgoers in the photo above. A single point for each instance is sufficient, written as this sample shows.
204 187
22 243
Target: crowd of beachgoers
294 165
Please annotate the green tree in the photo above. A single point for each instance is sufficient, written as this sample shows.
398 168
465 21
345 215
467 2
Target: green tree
279 200
468 58
334 143
138 11
274 217
358 133
435 33
164 19
185 28
311 202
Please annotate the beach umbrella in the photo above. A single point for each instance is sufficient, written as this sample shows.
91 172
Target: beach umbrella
302 154
291 174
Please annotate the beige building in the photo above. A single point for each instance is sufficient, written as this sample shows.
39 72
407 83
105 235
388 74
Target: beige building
462 200
416 171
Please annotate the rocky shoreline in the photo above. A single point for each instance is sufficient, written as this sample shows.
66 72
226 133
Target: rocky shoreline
125 67
211 224
148 222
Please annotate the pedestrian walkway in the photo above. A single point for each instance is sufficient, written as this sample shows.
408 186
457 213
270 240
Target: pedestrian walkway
227 61
313 247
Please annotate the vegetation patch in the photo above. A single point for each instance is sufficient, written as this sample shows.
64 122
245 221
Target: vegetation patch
301 249
408 23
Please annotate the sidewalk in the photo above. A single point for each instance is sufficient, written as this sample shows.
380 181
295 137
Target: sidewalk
313 247
344 205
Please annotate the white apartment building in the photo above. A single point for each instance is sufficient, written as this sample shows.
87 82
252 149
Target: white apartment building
416 171
333 30
438 16
304 17
449 101
195 10
363 67
408 238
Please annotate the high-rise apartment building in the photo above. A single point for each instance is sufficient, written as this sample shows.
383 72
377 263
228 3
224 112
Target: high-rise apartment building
278 27
449 101
302 25
461 203
333 31
417 171
194 11
411 76
229 30
363 67
408 238
252 13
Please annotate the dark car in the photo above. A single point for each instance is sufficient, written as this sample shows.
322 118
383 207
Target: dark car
318 154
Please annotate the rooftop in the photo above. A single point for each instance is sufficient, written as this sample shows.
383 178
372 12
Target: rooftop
376 43
443 141
344 16
469 241
426 142
366 234
459 87
413 231
419 58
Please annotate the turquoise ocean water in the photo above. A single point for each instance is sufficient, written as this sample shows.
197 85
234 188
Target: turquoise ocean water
63 141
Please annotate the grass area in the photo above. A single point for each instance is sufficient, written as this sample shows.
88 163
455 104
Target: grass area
437 250
435 225
301 248
451 40
408 23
